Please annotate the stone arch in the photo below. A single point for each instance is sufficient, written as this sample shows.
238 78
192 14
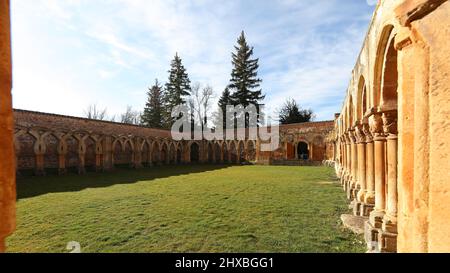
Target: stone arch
26 157
173 153
72 156
302 150
51 152
251 150
217 152
155 152
361 101
194 152
179 153
389 84
350 112
242 153
233 152
383 45
225 154
145 153
210 152
164 153
90 156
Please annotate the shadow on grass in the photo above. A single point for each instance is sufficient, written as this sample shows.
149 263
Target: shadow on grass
32 186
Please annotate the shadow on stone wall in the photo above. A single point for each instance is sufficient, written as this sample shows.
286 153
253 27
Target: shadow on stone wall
31 186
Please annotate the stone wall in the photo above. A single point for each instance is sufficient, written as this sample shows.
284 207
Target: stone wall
46 142
393 132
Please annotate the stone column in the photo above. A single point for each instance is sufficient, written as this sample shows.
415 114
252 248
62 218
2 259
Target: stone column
373 227
361 150
389 227
39 169
62 163
369 196
353 166
7 164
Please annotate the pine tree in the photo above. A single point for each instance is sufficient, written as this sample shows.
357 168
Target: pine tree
224 100
177 89
153 115
244 76
179 86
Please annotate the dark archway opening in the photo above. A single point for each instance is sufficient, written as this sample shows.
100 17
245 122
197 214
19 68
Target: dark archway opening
302 151
195 153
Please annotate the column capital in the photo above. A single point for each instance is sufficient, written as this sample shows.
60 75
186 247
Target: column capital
376 125
367 133
390 123
360 134
352 136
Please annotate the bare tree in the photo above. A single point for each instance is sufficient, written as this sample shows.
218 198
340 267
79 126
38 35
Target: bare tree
93 112
200 102
131 116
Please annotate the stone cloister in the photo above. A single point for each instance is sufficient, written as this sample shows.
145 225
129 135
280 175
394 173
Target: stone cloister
393 132
389 144
48 142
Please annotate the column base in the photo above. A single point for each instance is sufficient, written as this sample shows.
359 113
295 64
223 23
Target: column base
376 218
387 242
366 209
371 235
62 171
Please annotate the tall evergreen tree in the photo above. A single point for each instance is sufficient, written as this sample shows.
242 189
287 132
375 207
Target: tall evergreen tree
179 86
153 115
244 76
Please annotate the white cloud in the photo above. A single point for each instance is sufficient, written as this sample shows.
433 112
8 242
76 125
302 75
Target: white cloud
110 51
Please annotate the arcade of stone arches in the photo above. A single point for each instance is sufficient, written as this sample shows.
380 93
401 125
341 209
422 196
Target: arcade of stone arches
390 133
41 150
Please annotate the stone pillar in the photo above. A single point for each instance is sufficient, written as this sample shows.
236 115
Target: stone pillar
388 237
353 166
39 169
108 160
7 164
369 196
361 150
373 227
62 164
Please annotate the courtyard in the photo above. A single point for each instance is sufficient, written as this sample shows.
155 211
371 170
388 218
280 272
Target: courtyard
187 208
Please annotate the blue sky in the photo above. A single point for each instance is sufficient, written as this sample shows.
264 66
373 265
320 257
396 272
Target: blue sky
68 54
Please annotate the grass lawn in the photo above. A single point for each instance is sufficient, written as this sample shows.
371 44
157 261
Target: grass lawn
185 209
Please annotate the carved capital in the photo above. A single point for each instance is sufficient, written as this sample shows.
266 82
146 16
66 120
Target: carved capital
390 123
376 125
352 136
359 133
367 133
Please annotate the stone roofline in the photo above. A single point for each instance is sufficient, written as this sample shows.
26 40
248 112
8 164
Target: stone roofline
294 125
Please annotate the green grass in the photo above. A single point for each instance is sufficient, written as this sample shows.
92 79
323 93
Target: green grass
185 209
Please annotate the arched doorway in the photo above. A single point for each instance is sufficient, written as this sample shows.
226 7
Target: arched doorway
195 153
302 151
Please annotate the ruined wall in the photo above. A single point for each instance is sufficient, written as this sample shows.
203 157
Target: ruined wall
48 142
392 135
